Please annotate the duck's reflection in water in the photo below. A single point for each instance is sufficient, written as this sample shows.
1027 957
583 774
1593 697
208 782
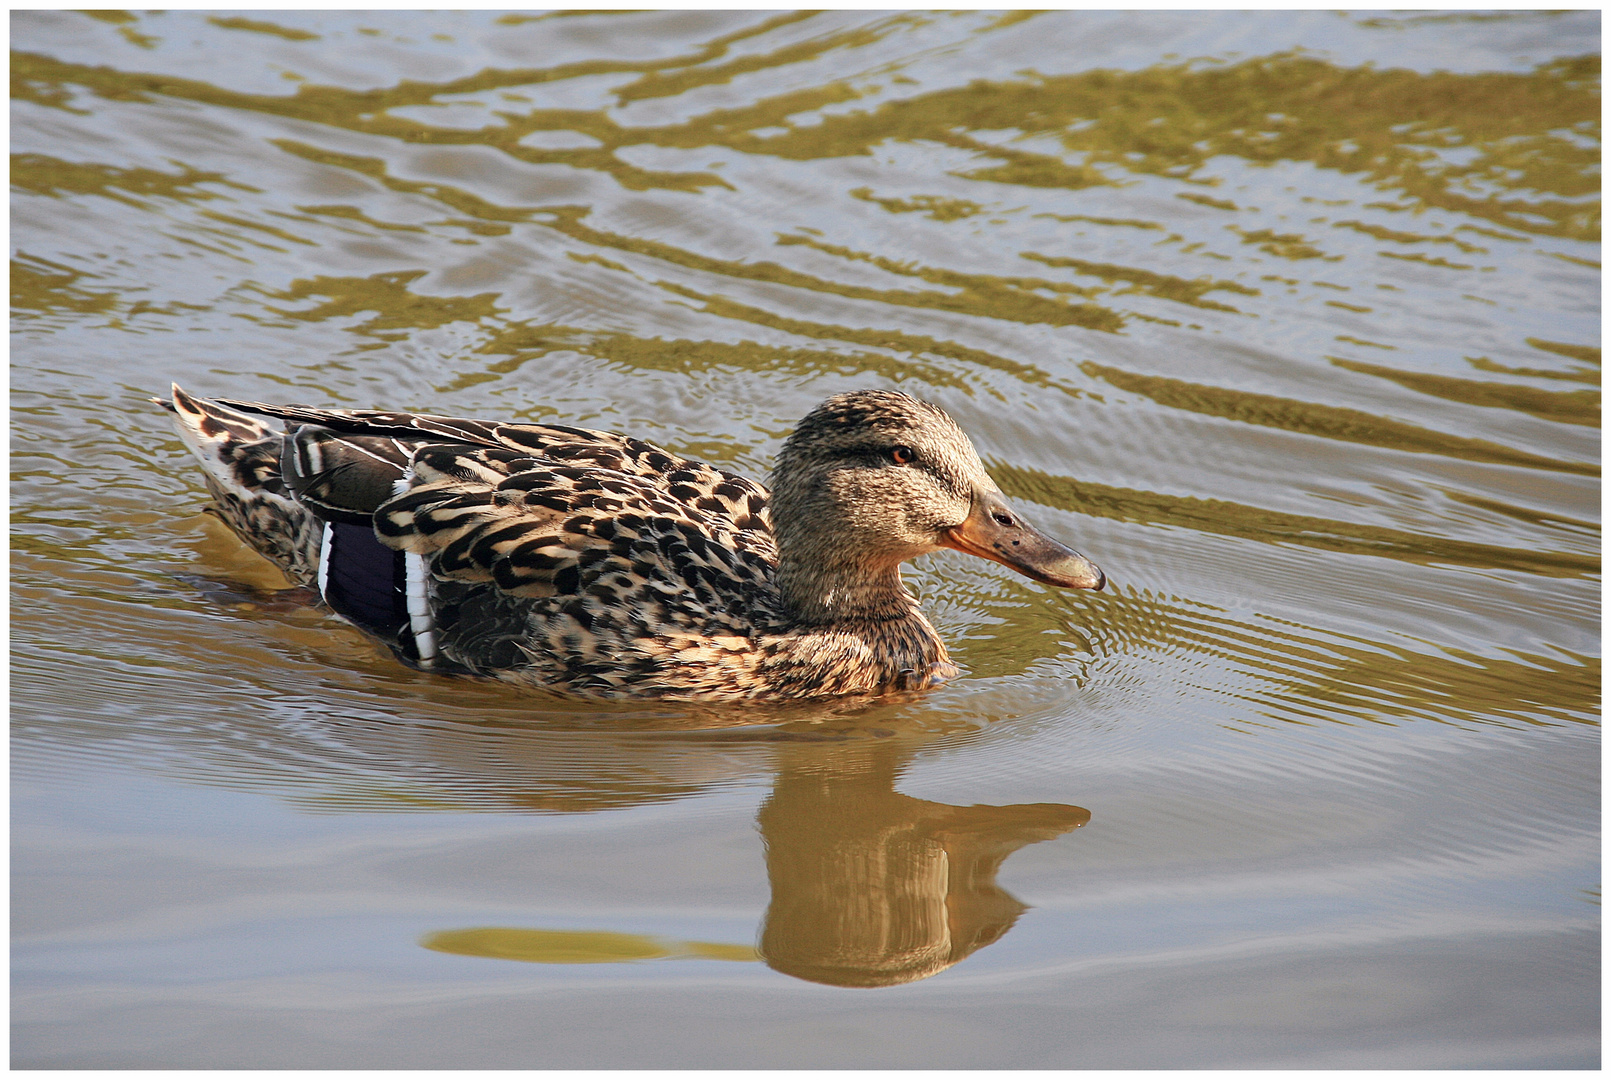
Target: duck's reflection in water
869 887
873 888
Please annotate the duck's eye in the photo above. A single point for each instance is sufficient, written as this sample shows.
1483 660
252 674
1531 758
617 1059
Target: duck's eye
902 455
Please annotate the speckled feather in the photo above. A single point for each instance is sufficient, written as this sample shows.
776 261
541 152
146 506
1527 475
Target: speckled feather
578 561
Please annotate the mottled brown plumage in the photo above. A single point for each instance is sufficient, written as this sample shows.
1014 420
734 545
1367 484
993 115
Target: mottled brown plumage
595 564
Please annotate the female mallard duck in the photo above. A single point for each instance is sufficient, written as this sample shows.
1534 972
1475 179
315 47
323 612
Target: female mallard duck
599 565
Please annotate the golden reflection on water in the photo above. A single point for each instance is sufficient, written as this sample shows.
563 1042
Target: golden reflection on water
869 887
1565 406
1393 126
874 888
1256 523
576 946
1328 421
1167 120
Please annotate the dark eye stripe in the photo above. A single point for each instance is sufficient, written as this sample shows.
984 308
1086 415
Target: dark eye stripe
866 454
881 454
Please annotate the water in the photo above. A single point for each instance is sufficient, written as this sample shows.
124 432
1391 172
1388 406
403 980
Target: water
1288 320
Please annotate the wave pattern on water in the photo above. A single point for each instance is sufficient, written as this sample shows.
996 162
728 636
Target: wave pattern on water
806 302
1289 320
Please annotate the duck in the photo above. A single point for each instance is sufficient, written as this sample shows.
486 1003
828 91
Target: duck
596 565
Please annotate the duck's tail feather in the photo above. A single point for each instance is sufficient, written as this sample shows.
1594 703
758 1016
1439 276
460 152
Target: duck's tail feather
304 499
240 457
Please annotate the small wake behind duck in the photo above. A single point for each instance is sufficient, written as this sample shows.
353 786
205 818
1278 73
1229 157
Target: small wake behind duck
599 565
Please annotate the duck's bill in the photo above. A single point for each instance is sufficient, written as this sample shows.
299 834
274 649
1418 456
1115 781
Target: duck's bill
996 532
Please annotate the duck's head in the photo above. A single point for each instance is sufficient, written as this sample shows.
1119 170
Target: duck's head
874 477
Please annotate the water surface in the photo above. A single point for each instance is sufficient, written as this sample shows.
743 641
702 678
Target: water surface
1289 320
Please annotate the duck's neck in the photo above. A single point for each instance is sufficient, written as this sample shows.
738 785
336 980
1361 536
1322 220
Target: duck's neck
869 621
819 594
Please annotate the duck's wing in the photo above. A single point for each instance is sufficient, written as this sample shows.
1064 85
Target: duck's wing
343 464
333 445
600 530
530 523
373 422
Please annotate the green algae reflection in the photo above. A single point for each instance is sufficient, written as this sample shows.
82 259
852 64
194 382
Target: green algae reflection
576 946
1531 171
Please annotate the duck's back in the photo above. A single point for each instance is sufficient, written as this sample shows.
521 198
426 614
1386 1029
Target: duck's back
578 560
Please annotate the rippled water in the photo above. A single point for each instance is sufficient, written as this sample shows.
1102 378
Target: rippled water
1289 320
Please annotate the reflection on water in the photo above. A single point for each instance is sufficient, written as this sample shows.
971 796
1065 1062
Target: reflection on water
1292 317
869 887
874 888
576 946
